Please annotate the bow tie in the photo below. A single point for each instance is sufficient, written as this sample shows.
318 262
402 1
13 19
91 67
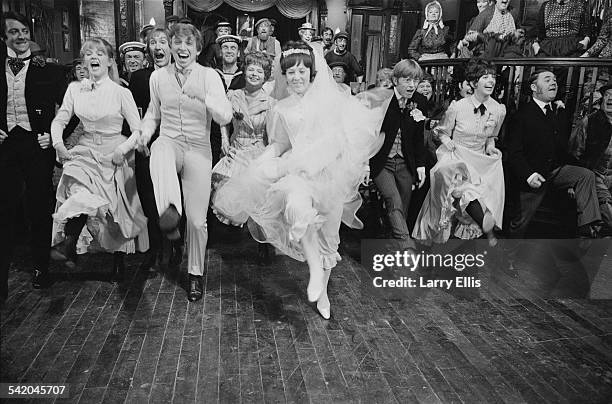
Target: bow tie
482 109
184 72
16 64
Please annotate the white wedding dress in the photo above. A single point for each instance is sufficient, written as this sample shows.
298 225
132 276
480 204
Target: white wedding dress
330 137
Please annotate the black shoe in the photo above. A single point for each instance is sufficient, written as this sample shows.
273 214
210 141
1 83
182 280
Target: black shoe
148 264
118 267
587 231
169 222
176 259
195 288
41 279
66 252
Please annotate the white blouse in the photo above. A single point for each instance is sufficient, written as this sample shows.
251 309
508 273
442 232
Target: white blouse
101 106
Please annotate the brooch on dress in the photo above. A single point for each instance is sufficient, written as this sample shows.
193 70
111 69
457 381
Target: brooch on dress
87 85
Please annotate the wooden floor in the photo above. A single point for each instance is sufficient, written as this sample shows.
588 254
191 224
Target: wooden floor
254 338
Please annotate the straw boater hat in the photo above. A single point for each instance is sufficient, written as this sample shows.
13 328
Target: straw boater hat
132 46
307 26
228 38
223 23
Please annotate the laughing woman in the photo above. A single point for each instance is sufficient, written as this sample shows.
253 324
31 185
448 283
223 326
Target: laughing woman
97 186
467 183
251 107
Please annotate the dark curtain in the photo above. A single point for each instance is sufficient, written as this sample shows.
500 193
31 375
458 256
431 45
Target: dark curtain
286 28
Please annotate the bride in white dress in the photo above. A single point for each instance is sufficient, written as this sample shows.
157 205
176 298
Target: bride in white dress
306 181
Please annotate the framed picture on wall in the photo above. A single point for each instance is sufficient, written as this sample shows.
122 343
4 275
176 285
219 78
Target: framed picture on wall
244 25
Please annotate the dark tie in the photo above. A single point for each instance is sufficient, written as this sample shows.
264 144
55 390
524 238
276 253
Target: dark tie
482 109
16 64
549 111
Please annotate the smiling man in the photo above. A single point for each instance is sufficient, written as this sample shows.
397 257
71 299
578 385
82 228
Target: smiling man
400 162
538 158
31 88
264 41
133 55
185 98
340 53
230 71
158 48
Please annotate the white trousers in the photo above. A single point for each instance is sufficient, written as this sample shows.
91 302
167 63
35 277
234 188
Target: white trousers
193 162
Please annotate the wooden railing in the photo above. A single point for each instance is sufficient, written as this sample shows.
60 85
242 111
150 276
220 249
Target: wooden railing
579 77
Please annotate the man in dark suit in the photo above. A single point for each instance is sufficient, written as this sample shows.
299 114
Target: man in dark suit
538 157
31 88
400 162
158 47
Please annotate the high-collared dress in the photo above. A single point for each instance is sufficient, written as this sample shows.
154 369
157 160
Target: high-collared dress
90 183
465 174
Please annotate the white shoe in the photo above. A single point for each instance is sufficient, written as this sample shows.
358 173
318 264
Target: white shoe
324 309
315 287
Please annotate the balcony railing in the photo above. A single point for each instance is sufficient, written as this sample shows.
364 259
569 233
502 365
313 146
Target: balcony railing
579 78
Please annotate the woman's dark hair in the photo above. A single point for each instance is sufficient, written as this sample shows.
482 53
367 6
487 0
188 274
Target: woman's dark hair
296 52
260 59
476 68
11 15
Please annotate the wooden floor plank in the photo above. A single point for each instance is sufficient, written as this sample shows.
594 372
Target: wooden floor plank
254 338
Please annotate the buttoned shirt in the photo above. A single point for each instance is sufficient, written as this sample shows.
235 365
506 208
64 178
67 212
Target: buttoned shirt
16 107
186 111
542 105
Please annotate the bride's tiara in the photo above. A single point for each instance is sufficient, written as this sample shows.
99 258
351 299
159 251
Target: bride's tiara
293 50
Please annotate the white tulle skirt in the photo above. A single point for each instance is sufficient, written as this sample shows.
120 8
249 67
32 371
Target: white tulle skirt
314 184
